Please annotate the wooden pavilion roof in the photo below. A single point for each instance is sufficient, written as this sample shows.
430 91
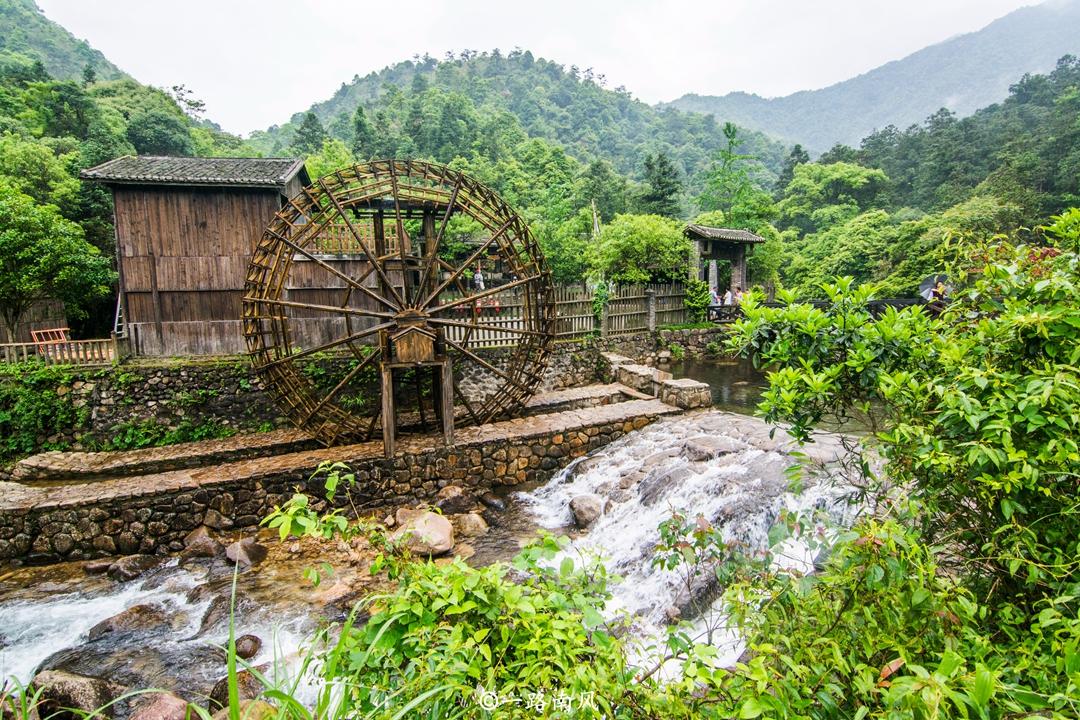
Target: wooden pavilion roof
704 232
198 171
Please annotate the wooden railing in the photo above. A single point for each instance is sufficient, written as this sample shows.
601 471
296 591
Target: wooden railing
68 352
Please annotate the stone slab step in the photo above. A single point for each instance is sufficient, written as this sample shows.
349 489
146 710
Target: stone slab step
56 466
632 414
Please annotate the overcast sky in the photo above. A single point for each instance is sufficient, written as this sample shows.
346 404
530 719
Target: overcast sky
256 62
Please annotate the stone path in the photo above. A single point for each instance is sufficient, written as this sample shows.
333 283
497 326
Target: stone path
64 467
631 415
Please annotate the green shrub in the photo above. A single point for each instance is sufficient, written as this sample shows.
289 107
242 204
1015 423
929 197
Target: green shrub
33 408
697 300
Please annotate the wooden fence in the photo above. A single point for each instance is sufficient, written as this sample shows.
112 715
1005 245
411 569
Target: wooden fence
67 352
630 309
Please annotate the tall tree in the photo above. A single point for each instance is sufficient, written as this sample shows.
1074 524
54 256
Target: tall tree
730 188
309 136
663 187
364 140
43 256
798 156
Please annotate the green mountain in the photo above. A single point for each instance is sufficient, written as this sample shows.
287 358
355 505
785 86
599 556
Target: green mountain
962 74
27 32
565 106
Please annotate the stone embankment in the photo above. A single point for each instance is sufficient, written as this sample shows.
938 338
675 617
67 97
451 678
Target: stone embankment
153 513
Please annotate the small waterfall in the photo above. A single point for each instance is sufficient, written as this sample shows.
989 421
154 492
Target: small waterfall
721 466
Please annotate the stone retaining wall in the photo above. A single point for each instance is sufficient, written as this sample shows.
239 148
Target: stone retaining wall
197 399
153 513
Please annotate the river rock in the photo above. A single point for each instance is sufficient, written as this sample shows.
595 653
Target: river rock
161 706
658 459
707 447
426 533
248 710
464 551
246 552
216 612
493 502
136 617
98 567
132 566
586 509
248 687
656 482
216 520
468 525
452 500
60 689
404 514
248 646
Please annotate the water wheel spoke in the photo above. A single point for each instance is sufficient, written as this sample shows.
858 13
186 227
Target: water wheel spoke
465 265
352 283
484 363
433 254
363 244
335 309
465 401
329 345
357 369
485 326
403 238
483 294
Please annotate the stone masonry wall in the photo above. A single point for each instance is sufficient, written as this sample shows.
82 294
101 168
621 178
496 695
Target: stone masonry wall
153 513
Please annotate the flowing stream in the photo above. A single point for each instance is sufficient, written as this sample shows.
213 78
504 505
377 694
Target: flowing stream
722 466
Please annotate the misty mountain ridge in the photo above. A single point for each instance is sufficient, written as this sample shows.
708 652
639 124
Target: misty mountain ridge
963 74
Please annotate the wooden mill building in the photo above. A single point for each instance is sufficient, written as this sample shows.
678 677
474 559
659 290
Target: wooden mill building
711 245
185 229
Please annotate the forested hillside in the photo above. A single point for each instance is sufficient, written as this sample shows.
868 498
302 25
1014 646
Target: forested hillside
58 227
567 106
26 31
888 211
963 74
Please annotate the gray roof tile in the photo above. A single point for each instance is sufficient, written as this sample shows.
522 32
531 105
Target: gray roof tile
233 172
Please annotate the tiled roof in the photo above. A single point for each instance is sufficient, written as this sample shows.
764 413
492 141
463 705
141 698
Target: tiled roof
715 233
234 172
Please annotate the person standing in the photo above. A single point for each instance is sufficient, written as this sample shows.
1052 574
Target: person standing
737 297
727 298
478 279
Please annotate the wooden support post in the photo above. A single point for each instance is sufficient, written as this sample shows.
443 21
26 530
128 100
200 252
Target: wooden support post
155 298
650 309
388 419
447 397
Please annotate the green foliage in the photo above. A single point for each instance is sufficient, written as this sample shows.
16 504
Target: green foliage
151 433
678 352
641 248
29 34
732 185
45 256
662 192
975 413
697 300
309 136
33 408
713 348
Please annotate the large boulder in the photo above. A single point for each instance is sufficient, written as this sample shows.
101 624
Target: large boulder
200 542
246 552
132 566
248 687
60 689
468 525
248 646
656 483
426 533
707 447
586 509
452 500
161 706
248 710
135 618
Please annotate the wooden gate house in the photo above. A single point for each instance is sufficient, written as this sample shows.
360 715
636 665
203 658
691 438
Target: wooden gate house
185 228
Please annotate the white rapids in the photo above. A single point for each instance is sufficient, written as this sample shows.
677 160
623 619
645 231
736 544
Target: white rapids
721 466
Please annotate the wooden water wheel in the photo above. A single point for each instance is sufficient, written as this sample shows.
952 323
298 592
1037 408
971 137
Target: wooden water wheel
360 318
